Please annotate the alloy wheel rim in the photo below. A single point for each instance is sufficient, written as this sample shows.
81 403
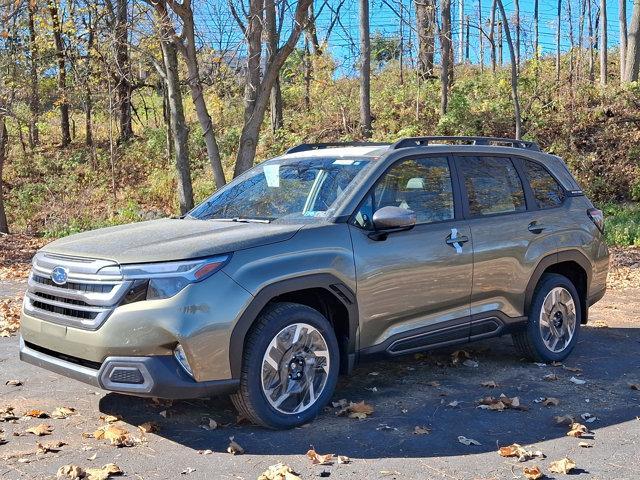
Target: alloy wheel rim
557 319
295 368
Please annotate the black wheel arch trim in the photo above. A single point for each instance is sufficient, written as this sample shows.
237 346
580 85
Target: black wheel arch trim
332 284
554 259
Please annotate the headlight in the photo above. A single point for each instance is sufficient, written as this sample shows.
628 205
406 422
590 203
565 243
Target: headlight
164 280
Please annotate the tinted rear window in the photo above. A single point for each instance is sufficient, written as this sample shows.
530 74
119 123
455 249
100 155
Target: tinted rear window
546 189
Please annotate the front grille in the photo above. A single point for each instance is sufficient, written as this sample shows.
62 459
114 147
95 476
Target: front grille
94 288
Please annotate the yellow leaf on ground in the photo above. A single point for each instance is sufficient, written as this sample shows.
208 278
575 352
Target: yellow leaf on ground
532 473
103 473
585 445
343 459
40 430
234 448
49 447
516 450
562 466
118 436
318 459
36 414
70 472
577 430
63 412
279 471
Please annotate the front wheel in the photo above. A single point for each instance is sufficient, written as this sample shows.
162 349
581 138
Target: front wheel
554 321
290 367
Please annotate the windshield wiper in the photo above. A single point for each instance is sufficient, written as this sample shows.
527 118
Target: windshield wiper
242 220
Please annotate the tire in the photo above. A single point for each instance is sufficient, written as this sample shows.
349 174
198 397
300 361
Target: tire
276 326
531 342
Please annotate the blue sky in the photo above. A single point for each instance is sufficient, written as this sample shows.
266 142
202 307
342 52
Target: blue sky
213 19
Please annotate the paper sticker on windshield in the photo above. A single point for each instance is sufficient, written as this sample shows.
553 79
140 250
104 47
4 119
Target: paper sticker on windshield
343 162
272 174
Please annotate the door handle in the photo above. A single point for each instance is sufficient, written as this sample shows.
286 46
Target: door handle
453 240
535 227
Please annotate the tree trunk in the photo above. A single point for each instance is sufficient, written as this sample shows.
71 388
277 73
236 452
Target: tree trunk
365 70
88 100
124 88
65 129
4 225
461 32
592 75
258 87
445 45
558 30
307 76
622 18
492 35
425 23
536 30
273 38
481 36
516 14
312 32
603 42
179 129
514 71
500 42
583 8
34 97
633 45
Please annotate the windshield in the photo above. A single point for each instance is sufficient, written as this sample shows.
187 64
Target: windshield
283 189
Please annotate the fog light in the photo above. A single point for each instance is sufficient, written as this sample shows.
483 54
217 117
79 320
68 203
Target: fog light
182 359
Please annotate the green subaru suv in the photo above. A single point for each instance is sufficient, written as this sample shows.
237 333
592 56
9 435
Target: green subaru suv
316 260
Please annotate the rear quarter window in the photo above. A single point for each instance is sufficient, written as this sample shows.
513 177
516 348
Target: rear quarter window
546 190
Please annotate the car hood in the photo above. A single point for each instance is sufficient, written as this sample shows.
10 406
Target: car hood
170 239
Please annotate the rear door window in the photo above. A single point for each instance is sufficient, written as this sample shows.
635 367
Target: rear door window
546 189
492 185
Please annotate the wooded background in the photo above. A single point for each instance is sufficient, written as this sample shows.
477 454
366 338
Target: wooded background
121 110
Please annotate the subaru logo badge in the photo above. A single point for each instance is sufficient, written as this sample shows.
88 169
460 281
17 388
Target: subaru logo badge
59 275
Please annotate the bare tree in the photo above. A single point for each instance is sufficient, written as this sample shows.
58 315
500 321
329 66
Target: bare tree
492 32
273 38
445 54
4 225
591 44
516 14
461 31
633 46
622 19
603 42
258 83
179 129
558 31
514 71
536 31
186 45
34 94
426 26
365 70
62 74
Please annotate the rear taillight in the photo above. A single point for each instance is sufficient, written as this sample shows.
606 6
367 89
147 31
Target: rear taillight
597 217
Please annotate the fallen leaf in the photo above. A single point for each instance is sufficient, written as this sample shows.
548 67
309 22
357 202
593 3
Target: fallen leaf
521 453
104 472
572 369
40 430
564 420
433 383
489 384
343 459
317 459
459 356
63 412
577 381
453 403
551 402
234 448
279 471
52 447
358 410
187 471
36 414
468 441
417 430
562 466
110 418
70 472
13 383
501 403
116 435
149 427
577 430
532 473
585 445
551 377
205 452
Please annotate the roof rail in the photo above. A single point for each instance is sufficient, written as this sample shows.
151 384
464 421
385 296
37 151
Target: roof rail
304 147
424 141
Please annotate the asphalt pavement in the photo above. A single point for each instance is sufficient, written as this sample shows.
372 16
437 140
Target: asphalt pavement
426 391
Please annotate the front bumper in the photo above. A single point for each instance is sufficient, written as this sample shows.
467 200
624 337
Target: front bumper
153 376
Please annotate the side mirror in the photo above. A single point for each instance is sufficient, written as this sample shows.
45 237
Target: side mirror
394 218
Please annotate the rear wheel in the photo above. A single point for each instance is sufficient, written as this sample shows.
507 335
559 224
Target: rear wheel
554 321
290 367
